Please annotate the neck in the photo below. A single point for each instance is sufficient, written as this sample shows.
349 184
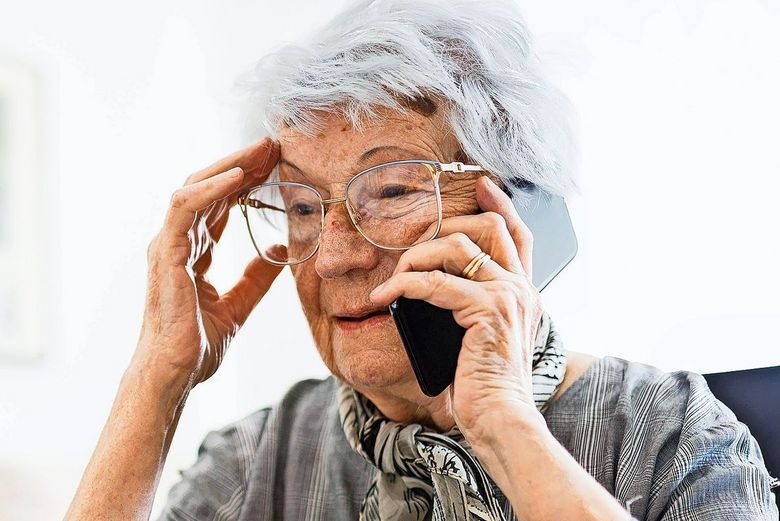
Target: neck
404 403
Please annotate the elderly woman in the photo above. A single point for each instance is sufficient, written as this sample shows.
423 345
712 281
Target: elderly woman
528 430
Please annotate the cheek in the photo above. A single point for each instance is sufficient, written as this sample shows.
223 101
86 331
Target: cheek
459 198
459 206
307 282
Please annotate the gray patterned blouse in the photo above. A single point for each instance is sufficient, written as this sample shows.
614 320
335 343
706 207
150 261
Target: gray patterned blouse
642 433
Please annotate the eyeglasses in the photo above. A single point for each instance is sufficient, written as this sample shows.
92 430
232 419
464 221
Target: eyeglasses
391 205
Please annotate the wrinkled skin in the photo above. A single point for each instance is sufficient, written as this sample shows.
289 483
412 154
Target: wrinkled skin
347 268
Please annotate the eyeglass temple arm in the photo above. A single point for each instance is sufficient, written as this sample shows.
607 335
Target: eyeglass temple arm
460 167
254 203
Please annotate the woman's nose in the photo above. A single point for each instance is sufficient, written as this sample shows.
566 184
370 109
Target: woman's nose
342 248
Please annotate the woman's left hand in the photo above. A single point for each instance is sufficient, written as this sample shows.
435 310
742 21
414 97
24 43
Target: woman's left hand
499 307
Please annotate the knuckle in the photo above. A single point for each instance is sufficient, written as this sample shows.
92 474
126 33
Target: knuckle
179 198
459 240
405 260
507 296
436 278
496 227
494 219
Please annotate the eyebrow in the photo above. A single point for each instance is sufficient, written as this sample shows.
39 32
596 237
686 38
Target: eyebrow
368 154
294 167
364 157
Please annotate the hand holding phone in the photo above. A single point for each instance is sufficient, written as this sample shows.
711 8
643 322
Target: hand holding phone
431 336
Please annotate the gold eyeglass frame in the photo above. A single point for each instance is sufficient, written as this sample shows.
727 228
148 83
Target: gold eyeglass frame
435 168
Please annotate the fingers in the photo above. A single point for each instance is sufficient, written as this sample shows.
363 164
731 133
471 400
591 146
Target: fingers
185 203
488 232
250 289
257 160
498 231
492 199
470 302
207 196
437 287
198 196
451 253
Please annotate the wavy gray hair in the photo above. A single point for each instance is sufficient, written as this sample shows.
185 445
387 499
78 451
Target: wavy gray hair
474 56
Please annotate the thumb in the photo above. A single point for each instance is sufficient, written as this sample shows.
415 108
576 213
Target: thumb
250 288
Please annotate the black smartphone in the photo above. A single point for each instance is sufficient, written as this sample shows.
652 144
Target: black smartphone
431 336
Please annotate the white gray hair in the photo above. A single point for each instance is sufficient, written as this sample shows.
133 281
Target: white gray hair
476 56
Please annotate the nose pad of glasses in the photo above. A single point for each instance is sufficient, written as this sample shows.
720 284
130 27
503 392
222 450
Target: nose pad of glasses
354 214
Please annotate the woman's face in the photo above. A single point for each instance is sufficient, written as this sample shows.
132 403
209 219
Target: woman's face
335 283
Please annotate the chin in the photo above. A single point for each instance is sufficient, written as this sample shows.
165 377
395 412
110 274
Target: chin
371 364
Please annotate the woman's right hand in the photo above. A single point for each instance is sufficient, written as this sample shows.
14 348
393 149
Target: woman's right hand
187 325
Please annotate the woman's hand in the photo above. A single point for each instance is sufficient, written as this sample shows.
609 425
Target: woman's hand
492 399
500 307
186 329
187 325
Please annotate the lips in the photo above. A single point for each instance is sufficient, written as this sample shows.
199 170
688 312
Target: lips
359 314
361 319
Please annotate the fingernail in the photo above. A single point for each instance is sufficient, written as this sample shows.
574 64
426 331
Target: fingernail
234 172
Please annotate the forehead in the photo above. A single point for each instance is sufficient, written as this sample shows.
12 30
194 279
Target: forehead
341 150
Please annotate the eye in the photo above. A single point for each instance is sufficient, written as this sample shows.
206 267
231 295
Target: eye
302 209
393 191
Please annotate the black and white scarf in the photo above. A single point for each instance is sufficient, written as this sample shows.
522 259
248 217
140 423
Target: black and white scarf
421 470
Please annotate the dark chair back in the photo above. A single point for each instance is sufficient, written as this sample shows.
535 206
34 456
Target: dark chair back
754 396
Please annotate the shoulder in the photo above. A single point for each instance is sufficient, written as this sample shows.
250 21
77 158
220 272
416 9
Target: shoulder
645 389
621 387
303 401
634 386
662 436
666 410
214 486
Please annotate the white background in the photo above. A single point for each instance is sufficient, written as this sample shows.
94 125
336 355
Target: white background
677 225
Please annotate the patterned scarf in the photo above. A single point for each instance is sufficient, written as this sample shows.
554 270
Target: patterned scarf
422 470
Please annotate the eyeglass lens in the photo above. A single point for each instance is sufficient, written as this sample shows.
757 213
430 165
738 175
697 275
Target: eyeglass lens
391 205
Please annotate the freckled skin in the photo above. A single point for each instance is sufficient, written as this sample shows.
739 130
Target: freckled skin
346 267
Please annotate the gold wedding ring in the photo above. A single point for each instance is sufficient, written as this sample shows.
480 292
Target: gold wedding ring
472 267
